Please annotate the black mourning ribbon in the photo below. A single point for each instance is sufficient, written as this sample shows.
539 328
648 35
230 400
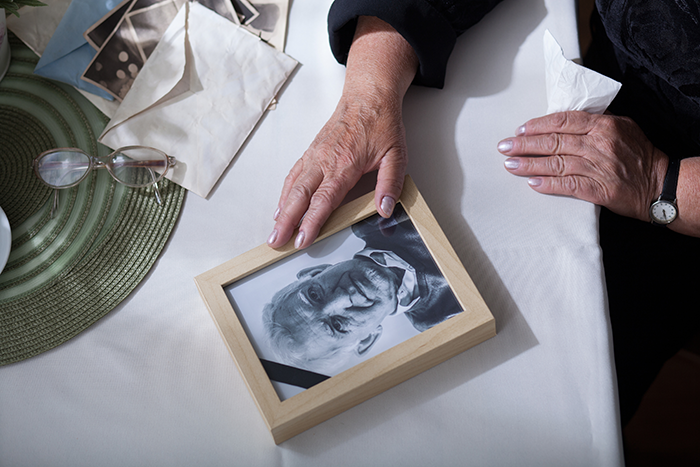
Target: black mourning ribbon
292 375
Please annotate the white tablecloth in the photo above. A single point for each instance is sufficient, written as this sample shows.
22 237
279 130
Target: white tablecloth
153 384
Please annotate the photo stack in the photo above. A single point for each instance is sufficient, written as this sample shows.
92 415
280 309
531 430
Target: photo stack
128 34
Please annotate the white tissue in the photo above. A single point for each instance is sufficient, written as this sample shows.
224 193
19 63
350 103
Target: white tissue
574 87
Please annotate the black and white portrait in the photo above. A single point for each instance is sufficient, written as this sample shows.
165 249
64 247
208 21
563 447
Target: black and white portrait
99 32
246 12
123 54
270 24
342 301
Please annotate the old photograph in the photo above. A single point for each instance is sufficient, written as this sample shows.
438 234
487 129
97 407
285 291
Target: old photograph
117 63
123 54
342 301
223 8
246 11
99 32
137 27
271 22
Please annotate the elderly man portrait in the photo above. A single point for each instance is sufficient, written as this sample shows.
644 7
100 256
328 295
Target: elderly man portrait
336 310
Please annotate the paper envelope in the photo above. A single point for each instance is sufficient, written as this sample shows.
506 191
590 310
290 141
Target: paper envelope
68 54
199 95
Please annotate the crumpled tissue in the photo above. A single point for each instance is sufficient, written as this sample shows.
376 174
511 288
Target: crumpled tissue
199 95
573 87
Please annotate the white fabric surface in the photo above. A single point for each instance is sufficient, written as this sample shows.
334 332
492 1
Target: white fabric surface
152 383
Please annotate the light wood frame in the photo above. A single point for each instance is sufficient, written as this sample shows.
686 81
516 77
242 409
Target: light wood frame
292 416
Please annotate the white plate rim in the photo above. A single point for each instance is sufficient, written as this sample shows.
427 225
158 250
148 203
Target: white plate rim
5 239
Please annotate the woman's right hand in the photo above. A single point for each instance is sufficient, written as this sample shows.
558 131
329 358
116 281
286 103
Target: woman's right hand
365 133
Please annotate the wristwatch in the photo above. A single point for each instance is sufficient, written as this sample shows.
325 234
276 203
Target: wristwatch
664 210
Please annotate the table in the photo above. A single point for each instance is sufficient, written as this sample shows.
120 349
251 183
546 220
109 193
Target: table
152 382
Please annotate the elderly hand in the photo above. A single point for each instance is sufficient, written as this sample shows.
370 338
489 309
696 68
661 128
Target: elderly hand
603 159
365 133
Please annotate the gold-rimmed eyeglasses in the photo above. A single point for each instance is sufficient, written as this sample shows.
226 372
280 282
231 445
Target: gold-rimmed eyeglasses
133 166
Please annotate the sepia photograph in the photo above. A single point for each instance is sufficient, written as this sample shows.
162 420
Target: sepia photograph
270 24
246 12
342 301
98 33
123 54
117 63
223 8
127 36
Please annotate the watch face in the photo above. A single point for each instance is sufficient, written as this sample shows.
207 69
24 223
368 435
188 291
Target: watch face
663 212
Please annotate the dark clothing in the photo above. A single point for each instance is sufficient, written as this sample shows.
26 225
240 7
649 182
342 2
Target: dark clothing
430 26
397 234
656 47
653 48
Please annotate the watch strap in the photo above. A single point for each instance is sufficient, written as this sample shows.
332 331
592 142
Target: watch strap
668 193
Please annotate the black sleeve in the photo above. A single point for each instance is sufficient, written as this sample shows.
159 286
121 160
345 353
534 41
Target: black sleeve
430 26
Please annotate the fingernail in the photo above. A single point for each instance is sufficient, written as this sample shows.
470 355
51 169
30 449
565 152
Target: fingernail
520 131
535 181
505 145
388 205
512 163
276 214
273 236
299 240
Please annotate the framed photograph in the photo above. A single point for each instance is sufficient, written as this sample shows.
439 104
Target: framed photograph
372 303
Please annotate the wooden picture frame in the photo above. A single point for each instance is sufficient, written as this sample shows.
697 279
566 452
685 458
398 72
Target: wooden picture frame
289 417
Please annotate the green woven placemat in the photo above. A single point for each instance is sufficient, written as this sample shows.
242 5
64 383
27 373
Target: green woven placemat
66 272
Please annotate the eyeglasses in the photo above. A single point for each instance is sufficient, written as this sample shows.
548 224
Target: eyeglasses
133 166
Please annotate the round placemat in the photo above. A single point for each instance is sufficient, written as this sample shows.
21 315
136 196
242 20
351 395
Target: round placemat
68 270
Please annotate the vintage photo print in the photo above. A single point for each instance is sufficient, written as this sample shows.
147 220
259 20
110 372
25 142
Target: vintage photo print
123 54
99 32
271 23
223 8
246 11
342 301
117 64
140 24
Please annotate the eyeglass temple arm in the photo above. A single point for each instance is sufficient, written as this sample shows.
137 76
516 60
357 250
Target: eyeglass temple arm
54 205
171 162
156 191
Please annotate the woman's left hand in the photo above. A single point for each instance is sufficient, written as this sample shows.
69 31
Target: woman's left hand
604 159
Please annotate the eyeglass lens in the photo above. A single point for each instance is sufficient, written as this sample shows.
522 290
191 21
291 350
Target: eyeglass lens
138 166
63 168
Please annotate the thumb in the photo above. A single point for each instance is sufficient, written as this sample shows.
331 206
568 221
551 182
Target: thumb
389 183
